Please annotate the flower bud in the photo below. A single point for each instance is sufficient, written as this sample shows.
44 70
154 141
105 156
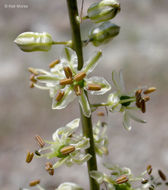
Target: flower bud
33 41
103 33
103 11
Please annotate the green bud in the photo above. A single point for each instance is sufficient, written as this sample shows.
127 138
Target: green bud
33 41
103 11
103 33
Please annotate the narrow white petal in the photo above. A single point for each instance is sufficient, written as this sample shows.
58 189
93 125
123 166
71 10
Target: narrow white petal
135 118
60 162
126 121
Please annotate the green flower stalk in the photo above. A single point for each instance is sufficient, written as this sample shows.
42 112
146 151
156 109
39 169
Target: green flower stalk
103 10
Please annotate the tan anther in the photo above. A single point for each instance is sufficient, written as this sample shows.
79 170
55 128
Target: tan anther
52 64
138 94
31 85
33 71
40 141
49 168
29 157
146 98
94 87
149 90
143 106
66 81
149 169
79 76
162 175
68 72
32 78
67 149
60 95
100 114
122 179
77 90
34 183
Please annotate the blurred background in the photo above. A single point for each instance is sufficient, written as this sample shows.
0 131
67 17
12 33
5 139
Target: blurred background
141 50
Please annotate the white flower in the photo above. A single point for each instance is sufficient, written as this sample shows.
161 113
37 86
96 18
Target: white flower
69 186
67 146
122 101
65 82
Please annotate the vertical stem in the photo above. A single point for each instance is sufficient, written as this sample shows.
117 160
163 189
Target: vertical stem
86 122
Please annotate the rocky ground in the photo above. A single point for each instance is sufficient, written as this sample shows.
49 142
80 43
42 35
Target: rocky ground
140 50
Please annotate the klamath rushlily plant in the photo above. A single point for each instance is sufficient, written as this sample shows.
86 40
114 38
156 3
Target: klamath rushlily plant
66 83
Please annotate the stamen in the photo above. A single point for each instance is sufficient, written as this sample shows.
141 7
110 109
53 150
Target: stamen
79 76
60 96
31 85
33 71
49 168
146 98
66 81
29 157
37 153
52 64
162 175
149 90
149 169
122 179
144 181
68 72
67 149
94 87
34 183
100 114
32 78
143 106
40 141
138 98
77 90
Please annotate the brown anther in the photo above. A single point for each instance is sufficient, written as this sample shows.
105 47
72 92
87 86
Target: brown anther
68 72
40 141
162 175
100 114
122 179
52 64
60 95
31 85
79 76
32 78
149 169
67 149
144 181
37 153
143 106
77 90
29 157
33 71
66 81
49 168
149 90
146 98
34 183
94 87
138 97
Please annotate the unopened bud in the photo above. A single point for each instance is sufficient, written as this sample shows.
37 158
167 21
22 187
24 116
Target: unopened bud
33 41
103 33
103 11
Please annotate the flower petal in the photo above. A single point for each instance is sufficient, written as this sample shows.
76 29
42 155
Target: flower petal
135 118
80 158
48 79
92 63
105 86
60 162
116 82
69 186
84 104
126 121
98 176
68 97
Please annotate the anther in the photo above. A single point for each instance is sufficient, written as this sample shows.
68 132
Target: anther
67 149
122 179
68 72
31 85
79 76
94 87
60 95
100 114
34 183
77 90
32 78
66 81
52 64
29 157
33 71
149 169
162 175
149 90
37 153
143 106
40 141
144 181
146 98
49 168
